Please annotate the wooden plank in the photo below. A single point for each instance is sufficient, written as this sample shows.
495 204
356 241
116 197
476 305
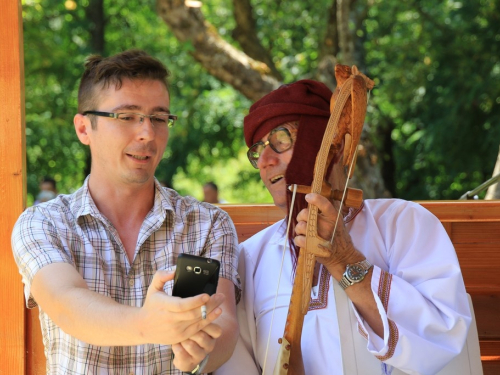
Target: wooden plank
12 185
480 265
464 210
245 231
487 311
490 356
36 362
448 227
490 350
445 211
257 213
491 368
479 232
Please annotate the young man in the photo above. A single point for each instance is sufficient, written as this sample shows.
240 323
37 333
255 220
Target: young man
408 294
99 262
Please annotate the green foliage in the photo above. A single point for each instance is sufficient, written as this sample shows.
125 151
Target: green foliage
236 180
53 53
438 71
56 44
436 67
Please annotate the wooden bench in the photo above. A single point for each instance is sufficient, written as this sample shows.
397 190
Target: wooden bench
474 228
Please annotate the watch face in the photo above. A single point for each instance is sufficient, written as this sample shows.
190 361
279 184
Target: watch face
355 272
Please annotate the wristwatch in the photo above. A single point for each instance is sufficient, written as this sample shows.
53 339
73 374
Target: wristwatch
354 273
198 369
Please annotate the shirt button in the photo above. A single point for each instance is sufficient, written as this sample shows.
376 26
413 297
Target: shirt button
131 283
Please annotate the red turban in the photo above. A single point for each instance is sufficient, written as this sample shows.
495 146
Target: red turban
305 101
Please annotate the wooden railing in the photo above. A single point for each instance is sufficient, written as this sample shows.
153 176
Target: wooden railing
474 228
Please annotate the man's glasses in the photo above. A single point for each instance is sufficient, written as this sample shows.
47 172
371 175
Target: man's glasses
160 120
279 140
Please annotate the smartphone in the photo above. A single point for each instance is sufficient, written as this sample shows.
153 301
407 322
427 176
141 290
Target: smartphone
195 275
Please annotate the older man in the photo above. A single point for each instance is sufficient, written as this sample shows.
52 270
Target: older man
391 258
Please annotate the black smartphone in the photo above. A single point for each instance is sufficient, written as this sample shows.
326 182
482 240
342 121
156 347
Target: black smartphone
195 275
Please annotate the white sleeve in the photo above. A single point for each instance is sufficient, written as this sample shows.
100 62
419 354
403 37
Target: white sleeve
243 359
419 291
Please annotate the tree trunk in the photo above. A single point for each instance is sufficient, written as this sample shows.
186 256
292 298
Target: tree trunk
245 33
94 15
493 191
330 45
368 174
250 77
346 40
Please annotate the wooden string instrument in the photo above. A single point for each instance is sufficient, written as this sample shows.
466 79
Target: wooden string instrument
348 110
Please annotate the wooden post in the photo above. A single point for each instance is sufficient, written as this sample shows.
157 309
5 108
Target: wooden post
12 186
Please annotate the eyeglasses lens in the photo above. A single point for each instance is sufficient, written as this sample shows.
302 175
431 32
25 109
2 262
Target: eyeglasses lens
279 140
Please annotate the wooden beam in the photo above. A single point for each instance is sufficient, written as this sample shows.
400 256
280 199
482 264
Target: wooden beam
12 185
463 210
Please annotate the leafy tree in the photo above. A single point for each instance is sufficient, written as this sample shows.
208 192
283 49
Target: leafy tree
438 94
436 68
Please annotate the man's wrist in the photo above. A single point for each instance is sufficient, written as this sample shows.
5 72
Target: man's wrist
355 273
199 368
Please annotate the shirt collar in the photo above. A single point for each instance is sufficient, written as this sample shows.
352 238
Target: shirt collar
279 232
163 201
83 204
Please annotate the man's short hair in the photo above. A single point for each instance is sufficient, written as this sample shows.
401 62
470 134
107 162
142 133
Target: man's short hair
212 185
50 180
101 72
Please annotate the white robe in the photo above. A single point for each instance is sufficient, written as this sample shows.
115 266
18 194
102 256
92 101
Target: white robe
416 282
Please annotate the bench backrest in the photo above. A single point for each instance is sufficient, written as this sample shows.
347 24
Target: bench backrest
474 228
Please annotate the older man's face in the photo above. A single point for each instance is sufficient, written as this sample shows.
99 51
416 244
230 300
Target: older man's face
272 167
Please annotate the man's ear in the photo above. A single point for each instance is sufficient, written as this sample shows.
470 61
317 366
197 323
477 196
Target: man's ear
82 127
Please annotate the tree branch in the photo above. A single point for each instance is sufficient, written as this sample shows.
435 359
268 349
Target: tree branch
329 49
245 34
346 42
330 45
94 15
427 17
252 78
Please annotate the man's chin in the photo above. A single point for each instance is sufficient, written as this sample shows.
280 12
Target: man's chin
280 201
138 178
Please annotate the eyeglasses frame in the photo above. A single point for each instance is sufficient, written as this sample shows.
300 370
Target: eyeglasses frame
171 118
254 161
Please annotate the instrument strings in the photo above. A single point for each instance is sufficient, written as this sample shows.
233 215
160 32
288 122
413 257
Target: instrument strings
279 277
347 181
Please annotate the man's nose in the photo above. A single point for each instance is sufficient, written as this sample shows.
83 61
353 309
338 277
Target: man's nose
146 128
267 157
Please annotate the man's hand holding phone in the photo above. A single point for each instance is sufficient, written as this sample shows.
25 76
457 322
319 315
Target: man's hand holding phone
178 321
194 276
165 319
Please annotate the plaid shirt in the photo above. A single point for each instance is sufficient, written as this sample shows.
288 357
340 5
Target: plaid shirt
71 229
